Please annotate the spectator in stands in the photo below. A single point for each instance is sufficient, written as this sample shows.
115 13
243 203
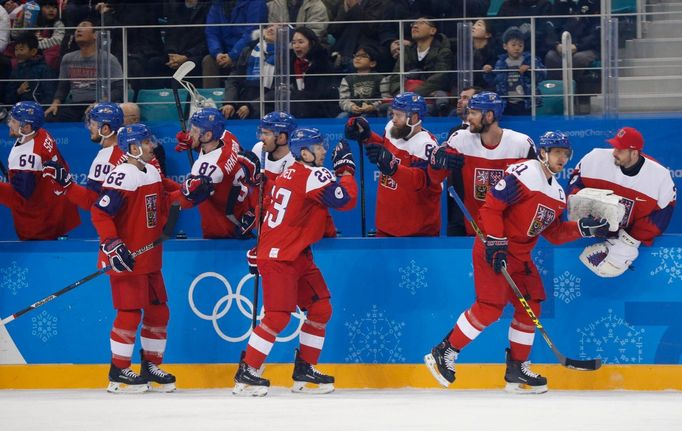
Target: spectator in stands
184 43
360 92
512 76
30 73
131 113
585 35
225 43
4 29
331 6
5 65
242 87
15 11
311 86
349 36
76 11
76 73
52 33
485 53
442 9
145 47
545 33
426 62
311 13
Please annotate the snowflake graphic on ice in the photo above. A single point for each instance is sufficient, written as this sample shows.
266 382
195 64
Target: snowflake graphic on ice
413 277
540 260
44 326
613 340
567 287
14 277
670 263
374 338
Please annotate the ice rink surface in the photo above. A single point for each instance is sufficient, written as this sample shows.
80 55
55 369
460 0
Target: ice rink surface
403 409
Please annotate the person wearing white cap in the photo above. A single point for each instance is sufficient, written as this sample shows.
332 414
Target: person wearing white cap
644 187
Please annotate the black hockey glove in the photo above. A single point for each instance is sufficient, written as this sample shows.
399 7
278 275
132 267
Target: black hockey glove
442 158
246 224
251 260
591 227
342 158
120 258
496 252
385 161
250 166
197 188
57 172
357 129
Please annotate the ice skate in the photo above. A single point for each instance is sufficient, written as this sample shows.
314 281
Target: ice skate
125 380
441 362
308 380
248 383
158 380
521 380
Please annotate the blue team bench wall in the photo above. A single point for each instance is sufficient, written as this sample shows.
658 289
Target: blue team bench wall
393 299
661 135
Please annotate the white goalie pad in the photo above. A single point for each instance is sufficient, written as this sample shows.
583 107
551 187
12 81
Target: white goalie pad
596 203
612 257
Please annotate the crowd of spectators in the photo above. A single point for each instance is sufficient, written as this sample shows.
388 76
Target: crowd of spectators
336 68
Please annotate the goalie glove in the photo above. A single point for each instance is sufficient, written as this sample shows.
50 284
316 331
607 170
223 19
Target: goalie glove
58 173
120 258
591 227
596 203
613 257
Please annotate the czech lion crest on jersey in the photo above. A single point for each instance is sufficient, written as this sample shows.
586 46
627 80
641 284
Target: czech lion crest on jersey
544 216
151 210
484 179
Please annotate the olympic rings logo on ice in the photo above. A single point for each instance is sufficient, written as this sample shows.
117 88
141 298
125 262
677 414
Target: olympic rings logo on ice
243 304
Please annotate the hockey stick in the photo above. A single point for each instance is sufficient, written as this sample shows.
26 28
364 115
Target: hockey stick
184 69
363 211
167 232
3 170
576 364
259 218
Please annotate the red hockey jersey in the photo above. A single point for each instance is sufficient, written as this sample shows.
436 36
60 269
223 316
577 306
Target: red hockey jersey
132 206
523 205
649 196
408 203
104 163
38 210
297 213
483 166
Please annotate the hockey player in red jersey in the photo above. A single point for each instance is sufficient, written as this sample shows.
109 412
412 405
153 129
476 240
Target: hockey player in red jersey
38 211
408 202
130 213
646 190
295 219
103 122
230 170
526 202
481 154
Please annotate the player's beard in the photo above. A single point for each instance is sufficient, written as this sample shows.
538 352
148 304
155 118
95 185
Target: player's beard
481 128
97 139
400 132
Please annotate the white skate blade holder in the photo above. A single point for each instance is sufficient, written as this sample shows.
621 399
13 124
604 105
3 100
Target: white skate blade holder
311 388
520 388
122 388
158 387
431 364
244 390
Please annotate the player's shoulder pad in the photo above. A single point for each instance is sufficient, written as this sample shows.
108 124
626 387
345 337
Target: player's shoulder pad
318 177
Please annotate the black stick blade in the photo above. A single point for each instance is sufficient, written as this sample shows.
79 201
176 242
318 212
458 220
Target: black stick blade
582 365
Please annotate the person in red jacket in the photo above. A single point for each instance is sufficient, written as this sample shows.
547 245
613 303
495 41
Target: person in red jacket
38 210
526 203
296 219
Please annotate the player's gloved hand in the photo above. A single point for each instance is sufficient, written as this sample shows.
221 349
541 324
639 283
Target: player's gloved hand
250 166
383 158
197 188
251 260
247 223
591 227
496 252
342 158
184 141
444 158
357 129
120 258
57 172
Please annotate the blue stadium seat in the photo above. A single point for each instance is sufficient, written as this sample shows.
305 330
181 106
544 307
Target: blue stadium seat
159 104
552 97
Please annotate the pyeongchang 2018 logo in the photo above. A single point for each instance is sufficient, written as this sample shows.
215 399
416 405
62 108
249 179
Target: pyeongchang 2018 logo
226 307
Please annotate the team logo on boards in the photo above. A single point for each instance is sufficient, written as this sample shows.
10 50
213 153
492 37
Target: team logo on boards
151 210
484 179
544 216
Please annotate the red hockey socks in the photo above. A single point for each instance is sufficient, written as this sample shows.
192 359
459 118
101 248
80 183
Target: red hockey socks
522 331
263 337
122 337
313 330
472 322
153 335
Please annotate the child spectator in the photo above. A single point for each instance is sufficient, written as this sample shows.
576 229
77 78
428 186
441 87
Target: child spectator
485 54
29 73
52 33
359 93
512 79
